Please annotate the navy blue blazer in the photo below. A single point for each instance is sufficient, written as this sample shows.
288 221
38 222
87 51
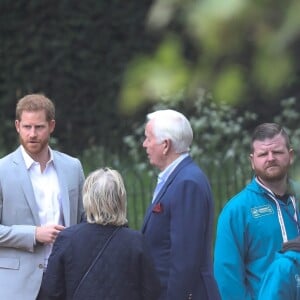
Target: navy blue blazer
178 229
125 270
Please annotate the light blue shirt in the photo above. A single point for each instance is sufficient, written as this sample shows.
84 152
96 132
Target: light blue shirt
163 176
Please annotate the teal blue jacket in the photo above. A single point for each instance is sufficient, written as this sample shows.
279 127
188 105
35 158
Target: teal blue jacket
282 279
248 237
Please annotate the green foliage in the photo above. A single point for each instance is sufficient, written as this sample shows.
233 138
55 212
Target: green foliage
220 132
75 52
149 76
80 54
138 182
290 119
221 146
243 52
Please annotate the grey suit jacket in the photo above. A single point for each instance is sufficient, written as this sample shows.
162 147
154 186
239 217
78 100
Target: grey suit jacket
21 260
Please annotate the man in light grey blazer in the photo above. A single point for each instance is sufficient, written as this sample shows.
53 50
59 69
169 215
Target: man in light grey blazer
40 194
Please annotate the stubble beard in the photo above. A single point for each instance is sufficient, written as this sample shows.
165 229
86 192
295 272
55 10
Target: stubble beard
269 175
33 149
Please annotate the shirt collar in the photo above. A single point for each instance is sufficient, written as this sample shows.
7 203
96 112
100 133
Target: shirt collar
290 191
28 159
162 176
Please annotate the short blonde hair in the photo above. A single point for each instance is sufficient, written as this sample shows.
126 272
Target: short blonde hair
104 198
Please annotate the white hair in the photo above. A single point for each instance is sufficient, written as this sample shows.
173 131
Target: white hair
173 125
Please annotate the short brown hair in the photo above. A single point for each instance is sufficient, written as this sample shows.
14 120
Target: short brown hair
35 102
268 131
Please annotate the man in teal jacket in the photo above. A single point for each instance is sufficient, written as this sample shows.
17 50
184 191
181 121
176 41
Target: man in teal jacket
282 279
254 223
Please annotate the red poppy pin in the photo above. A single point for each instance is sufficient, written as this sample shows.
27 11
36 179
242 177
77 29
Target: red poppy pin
157 208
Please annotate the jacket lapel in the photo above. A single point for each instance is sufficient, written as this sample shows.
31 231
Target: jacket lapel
170 179
63 186
25 182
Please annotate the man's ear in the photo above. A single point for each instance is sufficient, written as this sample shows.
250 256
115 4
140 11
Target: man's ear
167 146
291 152
52 125
251 160
17 125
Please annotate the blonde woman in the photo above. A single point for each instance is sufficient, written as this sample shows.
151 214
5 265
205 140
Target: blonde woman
124 269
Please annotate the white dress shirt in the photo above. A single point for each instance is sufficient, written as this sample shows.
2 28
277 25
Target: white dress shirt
47 193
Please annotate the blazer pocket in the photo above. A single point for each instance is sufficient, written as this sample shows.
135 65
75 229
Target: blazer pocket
9 263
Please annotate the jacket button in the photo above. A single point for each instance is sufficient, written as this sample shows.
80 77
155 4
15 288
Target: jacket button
41 266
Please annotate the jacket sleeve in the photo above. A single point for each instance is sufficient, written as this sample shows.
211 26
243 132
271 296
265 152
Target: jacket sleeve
191 210
53 283
229 256
18 236
280 281
81 215
15 236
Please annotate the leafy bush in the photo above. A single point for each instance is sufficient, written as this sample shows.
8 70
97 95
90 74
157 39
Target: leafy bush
221 147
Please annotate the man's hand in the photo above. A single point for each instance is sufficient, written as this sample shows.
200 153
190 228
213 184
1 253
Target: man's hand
47 234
